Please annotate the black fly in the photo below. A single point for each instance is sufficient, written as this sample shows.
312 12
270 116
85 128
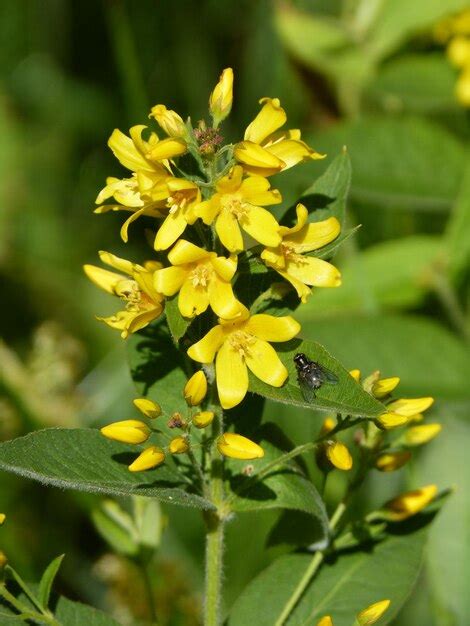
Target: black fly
311 376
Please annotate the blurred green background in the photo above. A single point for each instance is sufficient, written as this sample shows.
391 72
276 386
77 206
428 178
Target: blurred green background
369 74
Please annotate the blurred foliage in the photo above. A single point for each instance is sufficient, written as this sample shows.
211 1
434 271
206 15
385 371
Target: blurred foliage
365 73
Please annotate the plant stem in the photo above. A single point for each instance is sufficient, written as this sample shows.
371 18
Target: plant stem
149 590
448 298
25 611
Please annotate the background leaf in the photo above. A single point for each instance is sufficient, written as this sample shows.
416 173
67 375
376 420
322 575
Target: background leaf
47 580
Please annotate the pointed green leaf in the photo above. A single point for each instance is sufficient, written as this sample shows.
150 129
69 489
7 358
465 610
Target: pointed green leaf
47 580
84 460
177 324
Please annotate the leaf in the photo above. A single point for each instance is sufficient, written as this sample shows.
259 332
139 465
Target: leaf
115 526
457 236
346 583
346 397
47 580
428 358
370 281
177 324
84 460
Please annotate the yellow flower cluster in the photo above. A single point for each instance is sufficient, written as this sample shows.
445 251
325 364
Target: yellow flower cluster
454 31
138 432
228 208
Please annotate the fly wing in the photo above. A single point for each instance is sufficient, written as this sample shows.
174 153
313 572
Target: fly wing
307 390
326 375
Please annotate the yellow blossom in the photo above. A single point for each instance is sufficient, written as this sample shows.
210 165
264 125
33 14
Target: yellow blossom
3 559
408 407
2 518
239 447
148 407
462 88
220 101
267 150
325 621
184 196
169 121
391 461
148 459
203 419
409 503
201 278
134 285
178 445
127 431
388 421
328 425
372 613
288 259
243 343
237 204
195 389
356 374
339 456
418 435
382 387
458 51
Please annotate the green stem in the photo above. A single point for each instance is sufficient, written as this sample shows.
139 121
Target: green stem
448 298
149 590
198 471
25 611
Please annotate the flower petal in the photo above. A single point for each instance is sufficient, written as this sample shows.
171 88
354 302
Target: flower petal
169 280
193 299
222 299
125 227
141 320
270 328
186 252
231 375
207 210
313 271
204 350
229 233
302 218
104 279
261 225
224 267
125 150
271 117
232 181
172 227
117 263
314 235
301 288
292 152
167 149
257 190
256 159
263 361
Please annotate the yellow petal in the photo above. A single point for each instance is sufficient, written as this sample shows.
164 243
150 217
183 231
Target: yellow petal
228 231
220 101
238 447
384 386
148 407
302 218
339 456
178 445
263 361
231 375
388 421
392 461
302 290
169 280
328 425
203 419
172 227
410 503
410 406
261 225
125 150
104 279
208 210
271 117
2 518
204 350
186 252
272 328
169 121
257 190
224 267
222 299
256 159
314 235
292 152
231 182
148 459
372 613
132 218
141 320
314 272
195 389
117 263
167 149
419 435
325 621
356 374
193 299
127 431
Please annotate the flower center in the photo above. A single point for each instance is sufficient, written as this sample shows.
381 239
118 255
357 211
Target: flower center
200 276
291 255
241 342
234 204
130 292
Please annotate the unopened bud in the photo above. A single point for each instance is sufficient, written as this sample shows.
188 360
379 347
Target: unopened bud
148 459
339 456
391 461
220 101
148 407
178 445
239 447
388 421
127 431
195 389
418 435
384 386
169 121
203 419
372 613
409 503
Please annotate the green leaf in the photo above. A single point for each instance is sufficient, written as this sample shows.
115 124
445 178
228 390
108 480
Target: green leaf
84 460
345 397
370 281
457 237
346 583
177 324
116 527
47 580
428 358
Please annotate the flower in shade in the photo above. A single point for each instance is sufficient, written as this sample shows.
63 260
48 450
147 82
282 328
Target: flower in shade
203 419
2 518
148 459
391 461
338 455
371 614
239 447
220 100
201 278
419 435
409 503
243 343
132 283
178 445
237 205
267 150
289 260
127 431
195 389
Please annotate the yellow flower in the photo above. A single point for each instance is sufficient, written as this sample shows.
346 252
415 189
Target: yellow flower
462 88
127 431
134 285
169 121
372 613
203 419
418 435
384 386
185 195
239 447
356 374
244 342
458 51
328 425
148 459
202 279
391 461
148 407
220 100
409 503
325 621
178 445
339 456
195 389
237 204
2 518
409 407
3 559
288 259
388 421
267 150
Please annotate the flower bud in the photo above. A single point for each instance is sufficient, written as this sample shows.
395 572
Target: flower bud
148 459
462 88
178 445
384 386
127 431
339 456
169 121
325 621
409 503
356 374
391 461
418 435
327 426
458 51
220 101
239 447
410 406
148 407
195 389
3 559
2 518
388 421
203 419
372 613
